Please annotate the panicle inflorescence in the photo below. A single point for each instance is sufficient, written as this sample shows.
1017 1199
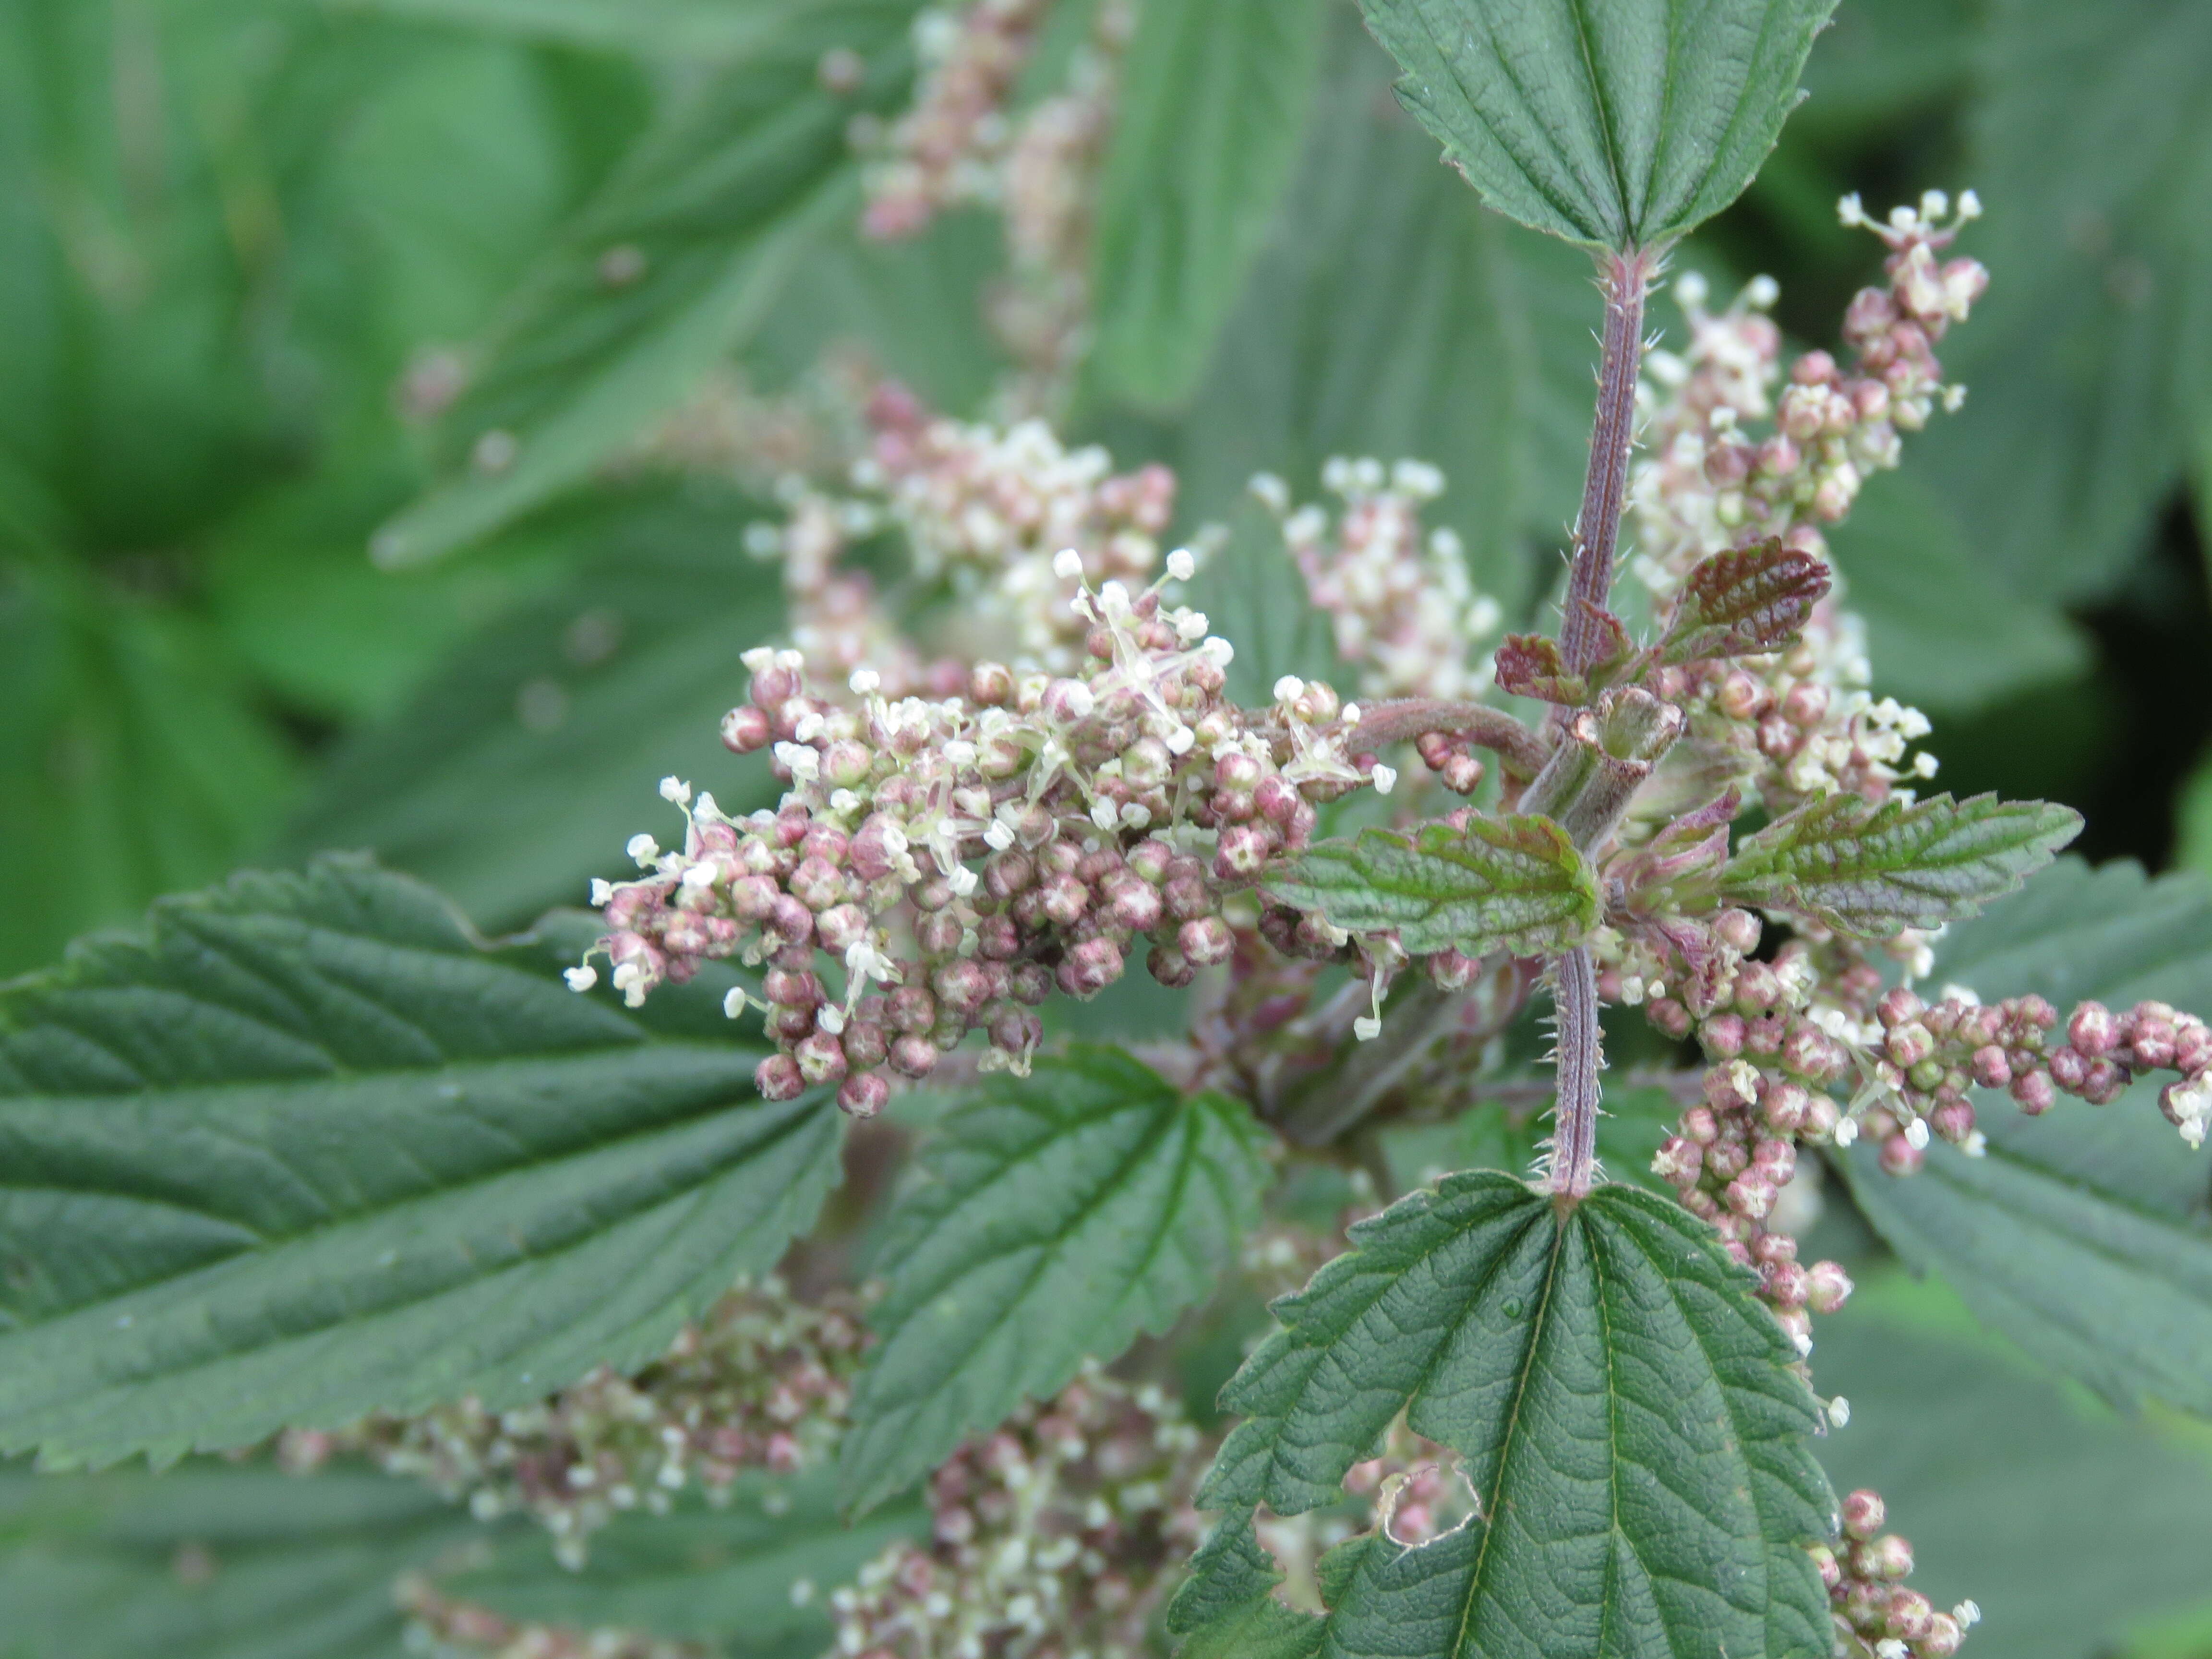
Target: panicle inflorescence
763 1382
949 149
1800 719
1877 1616
1055 1536
1397 595
955 861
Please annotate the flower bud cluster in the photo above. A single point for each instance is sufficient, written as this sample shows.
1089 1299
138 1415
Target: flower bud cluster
762 1382
949 149
1122 802
1877 1616
1801 719
985 511
1413 1492
1057 1535
1397 599
449 1629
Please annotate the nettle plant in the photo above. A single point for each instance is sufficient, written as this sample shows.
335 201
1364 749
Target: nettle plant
345 1179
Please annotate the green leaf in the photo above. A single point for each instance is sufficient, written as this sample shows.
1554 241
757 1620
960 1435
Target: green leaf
1059 1217
2083 1235
1389 316
1743 602
1620 124
722 204
563 716
304 1151
675 29
1254 593
213 1561
2089 364
729 1573
1944 631
1214 98
1870 869
1632 1431
1506 884
2008 1484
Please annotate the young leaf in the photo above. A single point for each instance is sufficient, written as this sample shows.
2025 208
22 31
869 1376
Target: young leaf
2080 1234
1739 603
1634 1436
706 221
1620 124
304 1151
1214 95
1508 884
1061 1215
1529 666
1870 869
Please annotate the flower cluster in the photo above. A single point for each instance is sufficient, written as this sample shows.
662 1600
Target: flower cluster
762 1382
1119 803
949 148
1397 597
985 511
1056 1536
1802 722
1875 1614
451 1629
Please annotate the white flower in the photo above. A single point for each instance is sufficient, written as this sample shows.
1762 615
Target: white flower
642 849
1183 565
734 1003
997 835
1067 564
961 881
602 891
2192 1107
1366 1028
1385 779
1916 1134
1289 688
1847 1131
863 681
583 978
1839 1411
676 790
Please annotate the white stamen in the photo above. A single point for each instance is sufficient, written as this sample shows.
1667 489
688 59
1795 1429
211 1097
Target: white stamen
583 978
676 790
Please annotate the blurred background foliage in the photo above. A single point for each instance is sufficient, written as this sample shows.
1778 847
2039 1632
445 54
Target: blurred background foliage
268 585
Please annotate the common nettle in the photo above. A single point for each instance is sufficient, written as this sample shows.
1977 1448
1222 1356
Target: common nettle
1551 1404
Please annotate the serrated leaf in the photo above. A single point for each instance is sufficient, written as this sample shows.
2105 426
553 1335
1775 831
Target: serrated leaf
213 1561
1869 870
722 203
1212 104
1620 124
564 714
1059 1216
1530 666
304 1151
723 1573
1739 603
1634 1436
2085 1235
1503 884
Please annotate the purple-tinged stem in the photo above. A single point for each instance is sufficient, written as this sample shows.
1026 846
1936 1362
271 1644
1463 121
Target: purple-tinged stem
1581 1055
1597 527
1405 718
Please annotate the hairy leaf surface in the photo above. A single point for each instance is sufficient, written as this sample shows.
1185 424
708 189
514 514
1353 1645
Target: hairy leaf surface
1744 601
1870 869
1629 1424
304 1151
1214 96
1509 883
706 222
1618 123
2085 1235
1059 1216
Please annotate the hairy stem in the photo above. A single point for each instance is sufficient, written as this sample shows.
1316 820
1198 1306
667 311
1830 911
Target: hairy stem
1597 527
1581 1055
1404 719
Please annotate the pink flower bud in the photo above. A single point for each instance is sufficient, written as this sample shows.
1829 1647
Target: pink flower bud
1678 1161
915 1056
1909 1044
864 1095
866 1044
1205 941
778 1078
1786 1283
1169 966
1242 851
1090 968
1064 900
1751 1194
1887 1557
1783 1105
1863 1512
2092 1031
1722 1037
1991 1069
1827 1287
2035 1092
1900 1156
821 1058
745 730
1952 1120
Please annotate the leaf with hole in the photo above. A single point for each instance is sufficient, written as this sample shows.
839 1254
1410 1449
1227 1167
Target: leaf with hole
1621 124
1869 870
1638 1445
1501 884
1059 1216
305 1151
